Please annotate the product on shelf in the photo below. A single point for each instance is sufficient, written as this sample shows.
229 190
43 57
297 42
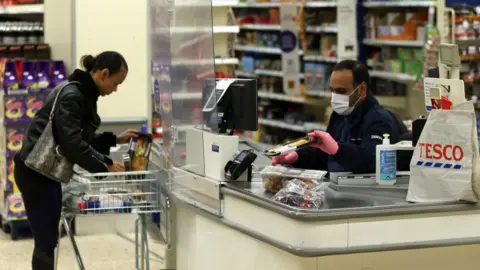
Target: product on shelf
324 45
14 206
59 74
381 87
14 140
258 16
275 176
33 103
10 185
32 77
39 51
395 25
397 60
20 33
43 74
14 108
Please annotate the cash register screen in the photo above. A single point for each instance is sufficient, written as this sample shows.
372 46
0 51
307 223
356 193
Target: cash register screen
233 108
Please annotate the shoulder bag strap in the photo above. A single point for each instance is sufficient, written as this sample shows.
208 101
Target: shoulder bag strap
57 96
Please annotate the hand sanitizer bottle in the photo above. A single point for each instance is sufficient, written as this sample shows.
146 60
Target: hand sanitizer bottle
386 162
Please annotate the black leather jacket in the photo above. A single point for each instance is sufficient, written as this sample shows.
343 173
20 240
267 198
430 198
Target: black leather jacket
74 123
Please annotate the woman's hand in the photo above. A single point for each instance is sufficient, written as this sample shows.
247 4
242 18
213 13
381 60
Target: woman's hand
116 167
286 159
125 136
324 142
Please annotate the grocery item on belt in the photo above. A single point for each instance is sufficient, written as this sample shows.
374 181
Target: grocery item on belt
274 177
287 147
303 195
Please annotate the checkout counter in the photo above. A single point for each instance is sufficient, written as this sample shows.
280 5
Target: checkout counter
236 225
209 223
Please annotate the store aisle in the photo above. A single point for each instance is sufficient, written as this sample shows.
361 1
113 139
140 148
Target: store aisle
100 251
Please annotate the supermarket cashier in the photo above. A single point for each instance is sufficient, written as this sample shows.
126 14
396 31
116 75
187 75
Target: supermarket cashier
355 128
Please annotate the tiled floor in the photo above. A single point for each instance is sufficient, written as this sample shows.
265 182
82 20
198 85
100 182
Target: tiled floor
99 251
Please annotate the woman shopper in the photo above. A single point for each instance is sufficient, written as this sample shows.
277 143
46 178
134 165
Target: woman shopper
75 121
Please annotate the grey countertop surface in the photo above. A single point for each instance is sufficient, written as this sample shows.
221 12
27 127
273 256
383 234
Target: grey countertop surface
340 205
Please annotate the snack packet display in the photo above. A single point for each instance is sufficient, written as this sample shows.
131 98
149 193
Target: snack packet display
275 176
298 193
287 147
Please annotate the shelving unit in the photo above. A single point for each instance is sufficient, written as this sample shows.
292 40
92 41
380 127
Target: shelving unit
390 4
224 30
406 102
12 211
22 9
306 99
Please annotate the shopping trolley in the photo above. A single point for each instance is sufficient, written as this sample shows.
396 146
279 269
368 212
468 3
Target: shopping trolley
112 194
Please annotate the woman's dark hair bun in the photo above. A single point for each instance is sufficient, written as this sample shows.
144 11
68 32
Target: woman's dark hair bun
111 60
88 62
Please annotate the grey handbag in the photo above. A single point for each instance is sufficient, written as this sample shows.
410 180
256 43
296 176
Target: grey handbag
46 157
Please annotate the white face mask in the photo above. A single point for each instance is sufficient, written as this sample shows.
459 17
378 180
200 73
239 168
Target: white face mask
341 103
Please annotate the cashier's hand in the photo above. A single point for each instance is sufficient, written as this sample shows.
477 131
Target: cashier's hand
286 159
324 142
125 136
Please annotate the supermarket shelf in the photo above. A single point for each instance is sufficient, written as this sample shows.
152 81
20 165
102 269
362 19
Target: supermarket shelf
214 3
186 95
226 61
266 72
281 97
315 126
307 127
320 58
319 93
266 50
242 73
22 9
276 27
320 4
322 29
258 5
226 29
392 76
466 43
310 4
380 4
216 29
396 102
470 57
224 3
202 62
399 43
280 124
266 27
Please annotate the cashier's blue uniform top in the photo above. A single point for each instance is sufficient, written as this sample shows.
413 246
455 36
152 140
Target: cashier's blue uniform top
357 136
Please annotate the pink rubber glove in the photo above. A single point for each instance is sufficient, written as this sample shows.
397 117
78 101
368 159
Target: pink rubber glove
286 159
325 142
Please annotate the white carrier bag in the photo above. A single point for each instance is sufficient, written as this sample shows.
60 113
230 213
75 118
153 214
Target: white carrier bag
445 164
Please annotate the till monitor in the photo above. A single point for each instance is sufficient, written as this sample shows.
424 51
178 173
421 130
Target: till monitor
236 106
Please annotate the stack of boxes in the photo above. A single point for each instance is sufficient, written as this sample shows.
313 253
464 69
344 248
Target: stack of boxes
26 86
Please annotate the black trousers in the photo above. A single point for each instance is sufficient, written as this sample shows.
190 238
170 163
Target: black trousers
43 203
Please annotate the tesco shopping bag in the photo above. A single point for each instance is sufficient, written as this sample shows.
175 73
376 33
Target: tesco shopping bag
444 166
